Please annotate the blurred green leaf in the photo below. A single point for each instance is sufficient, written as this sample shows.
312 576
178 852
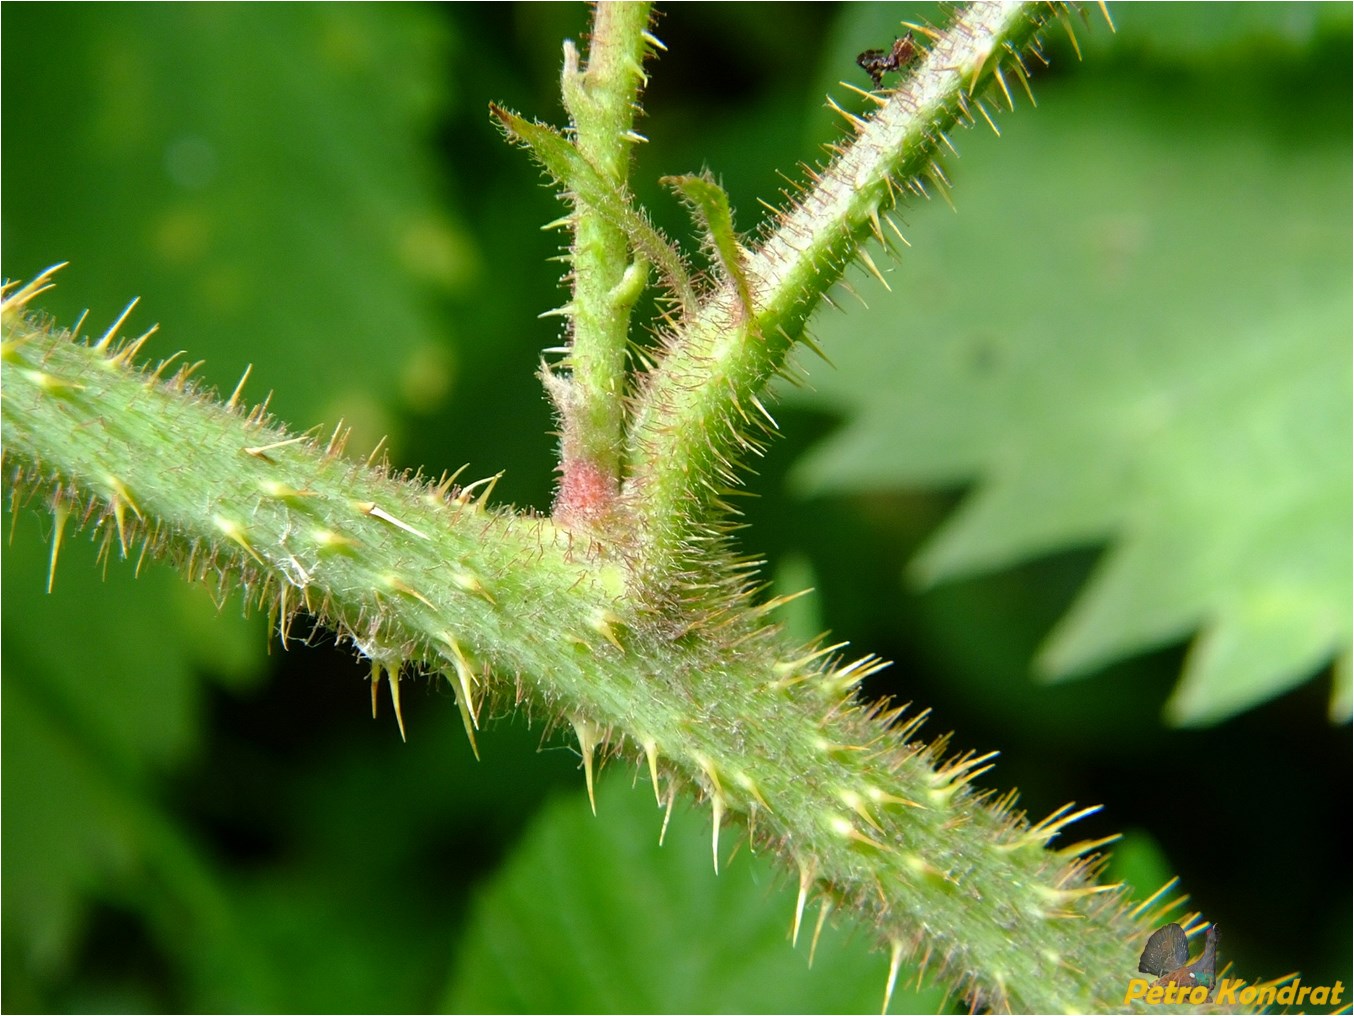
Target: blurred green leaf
259 176
87 734
592 915
1149 344
1190 33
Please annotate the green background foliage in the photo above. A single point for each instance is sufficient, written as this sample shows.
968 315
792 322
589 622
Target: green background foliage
1138 317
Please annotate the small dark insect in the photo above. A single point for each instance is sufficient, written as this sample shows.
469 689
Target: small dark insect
877 62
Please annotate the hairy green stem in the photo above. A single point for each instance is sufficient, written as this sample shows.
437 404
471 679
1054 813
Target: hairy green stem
424 577
601 100
694 413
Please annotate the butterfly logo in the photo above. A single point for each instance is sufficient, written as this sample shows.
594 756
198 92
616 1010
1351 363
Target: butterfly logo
1166 957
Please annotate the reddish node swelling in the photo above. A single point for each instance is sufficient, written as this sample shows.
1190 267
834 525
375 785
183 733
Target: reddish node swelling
586 492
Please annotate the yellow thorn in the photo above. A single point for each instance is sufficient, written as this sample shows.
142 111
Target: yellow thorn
1103 10
1068 895
1024 77
470 583
467 718
155 375
856 122
892 184
337 441
124 356
1142 907
978 71
791 667
259 450
874 269
634 67
232 531
283 615
463 498
376 512
393 679
181 376
718 809
983 110
1086 846
895 960
875 226
400 586
141 558
1001 80
40 284
121 497
327 539
8 347
375 685
823 911
587 743
925 30
234 399
653 40
708 768
749 784
966 767
602 622
285 491
59 515
780 601
942 184
762 409
667 816
444 486
847 287
489 489
881 797
878 100
805 883
651 752
376 451
102 344
53 385
860 837
465 702
921 866
857 804
465 676
1049 827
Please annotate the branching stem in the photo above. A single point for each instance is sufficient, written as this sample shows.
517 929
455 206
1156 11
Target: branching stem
601 99
695 411
712 702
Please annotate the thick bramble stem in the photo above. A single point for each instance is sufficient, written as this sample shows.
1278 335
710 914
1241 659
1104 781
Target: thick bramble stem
424 577
707 698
